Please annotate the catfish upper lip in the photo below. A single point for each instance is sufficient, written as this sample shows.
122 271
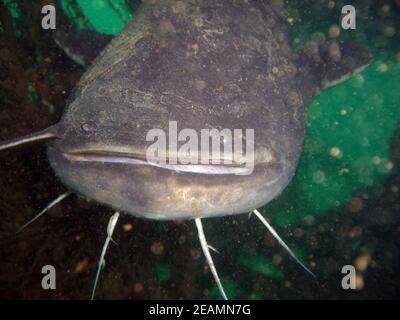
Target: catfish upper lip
140 157
259 156
106 156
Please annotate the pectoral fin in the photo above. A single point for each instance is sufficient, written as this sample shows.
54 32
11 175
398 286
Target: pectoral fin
323 65
81 45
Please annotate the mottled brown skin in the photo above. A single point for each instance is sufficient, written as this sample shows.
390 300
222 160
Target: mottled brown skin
205 64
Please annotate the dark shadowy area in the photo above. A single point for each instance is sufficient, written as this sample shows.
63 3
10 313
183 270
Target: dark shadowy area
36 78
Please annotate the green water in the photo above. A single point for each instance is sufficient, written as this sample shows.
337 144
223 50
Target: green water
101 15
346 148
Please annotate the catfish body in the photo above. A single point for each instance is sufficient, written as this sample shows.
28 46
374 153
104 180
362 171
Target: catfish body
198 65
204 65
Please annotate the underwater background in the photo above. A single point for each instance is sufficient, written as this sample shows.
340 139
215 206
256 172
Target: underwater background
342 207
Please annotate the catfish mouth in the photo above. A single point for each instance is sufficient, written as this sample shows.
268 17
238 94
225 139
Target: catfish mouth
135 158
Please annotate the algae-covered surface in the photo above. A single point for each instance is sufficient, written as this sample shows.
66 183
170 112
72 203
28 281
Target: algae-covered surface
342 207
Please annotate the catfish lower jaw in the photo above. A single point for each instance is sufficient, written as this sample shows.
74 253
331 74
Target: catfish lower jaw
159 193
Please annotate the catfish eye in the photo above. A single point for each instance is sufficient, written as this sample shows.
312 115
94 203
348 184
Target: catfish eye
88 127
